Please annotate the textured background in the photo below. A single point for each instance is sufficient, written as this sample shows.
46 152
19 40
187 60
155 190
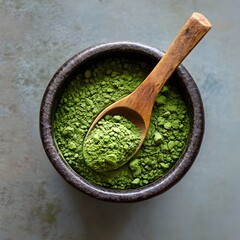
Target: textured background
36 37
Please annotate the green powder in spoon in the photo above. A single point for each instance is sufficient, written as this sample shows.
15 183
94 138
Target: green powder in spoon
111 143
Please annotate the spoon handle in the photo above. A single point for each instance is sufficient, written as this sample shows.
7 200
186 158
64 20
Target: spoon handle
189 36
192 32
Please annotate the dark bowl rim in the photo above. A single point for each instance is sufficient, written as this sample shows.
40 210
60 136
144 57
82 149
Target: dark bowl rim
159 186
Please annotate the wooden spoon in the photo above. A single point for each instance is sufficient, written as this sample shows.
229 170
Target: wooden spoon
137 107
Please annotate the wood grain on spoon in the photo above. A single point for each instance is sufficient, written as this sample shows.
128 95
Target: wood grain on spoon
137 107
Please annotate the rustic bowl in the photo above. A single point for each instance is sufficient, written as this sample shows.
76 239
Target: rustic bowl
61 79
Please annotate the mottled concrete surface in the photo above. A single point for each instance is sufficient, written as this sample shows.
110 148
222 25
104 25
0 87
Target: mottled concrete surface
36 37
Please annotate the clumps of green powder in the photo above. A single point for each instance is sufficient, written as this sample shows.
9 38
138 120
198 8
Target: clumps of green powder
102 84
111 143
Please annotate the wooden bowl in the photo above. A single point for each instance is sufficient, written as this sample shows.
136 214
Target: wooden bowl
51 99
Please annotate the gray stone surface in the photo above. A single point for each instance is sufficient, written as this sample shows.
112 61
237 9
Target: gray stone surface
36 37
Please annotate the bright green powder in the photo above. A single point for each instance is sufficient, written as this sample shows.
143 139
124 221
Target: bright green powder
111 143
93 90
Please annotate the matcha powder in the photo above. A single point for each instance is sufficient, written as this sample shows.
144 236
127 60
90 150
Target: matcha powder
93 90
111 143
